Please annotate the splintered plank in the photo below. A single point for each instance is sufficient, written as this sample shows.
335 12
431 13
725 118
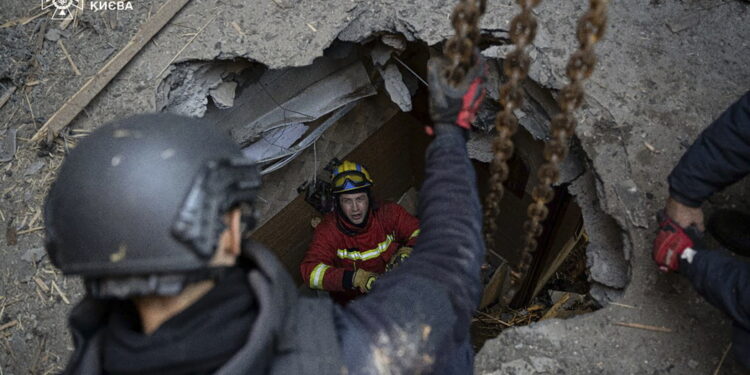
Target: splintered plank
644 327
76 103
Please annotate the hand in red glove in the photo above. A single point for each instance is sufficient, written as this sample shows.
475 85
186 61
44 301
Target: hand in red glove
670 243
455 104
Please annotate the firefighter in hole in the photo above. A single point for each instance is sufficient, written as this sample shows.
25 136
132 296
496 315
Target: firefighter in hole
150 212
360 240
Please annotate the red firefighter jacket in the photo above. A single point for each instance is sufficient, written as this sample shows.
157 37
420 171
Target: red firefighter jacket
333 251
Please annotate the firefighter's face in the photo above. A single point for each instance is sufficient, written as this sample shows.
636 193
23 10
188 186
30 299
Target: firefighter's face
354 206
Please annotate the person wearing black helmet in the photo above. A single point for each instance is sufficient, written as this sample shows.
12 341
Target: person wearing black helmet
150 211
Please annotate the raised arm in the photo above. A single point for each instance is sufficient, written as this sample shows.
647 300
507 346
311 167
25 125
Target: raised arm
417 316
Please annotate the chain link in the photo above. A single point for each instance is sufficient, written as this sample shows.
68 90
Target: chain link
516 68
580 66
460 48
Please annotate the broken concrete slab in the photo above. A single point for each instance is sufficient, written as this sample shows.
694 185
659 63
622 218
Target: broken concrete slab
186 90
223 94
396 88
292 95
309 140
396 41
381 54
275 142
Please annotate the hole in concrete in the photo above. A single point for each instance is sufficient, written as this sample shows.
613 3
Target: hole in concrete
366 103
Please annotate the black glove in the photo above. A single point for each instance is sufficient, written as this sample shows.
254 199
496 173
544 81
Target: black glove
455 104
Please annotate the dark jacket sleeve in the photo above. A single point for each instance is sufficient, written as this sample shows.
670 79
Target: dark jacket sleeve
719 157
724 281
417 317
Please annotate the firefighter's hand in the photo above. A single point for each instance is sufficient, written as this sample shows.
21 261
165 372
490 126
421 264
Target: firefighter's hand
670 244
398 257
364 280
457 104
685 216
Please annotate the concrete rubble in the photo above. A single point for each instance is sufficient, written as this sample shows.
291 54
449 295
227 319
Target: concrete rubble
666 69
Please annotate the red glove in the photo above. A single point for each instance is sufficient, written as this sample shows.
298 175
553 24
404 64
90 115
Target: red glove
671 241
457 104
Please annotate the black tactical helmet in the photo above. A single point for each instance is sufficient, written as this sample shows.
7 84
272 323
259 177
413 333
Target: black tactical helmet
138 205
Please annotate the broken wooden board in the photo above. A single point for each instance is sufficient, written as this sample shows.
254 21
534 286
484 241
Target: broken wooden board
493 289
76 103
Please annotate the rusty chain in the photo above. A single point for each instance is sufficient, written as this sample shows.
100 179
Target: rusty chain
460 50
580 66
516 68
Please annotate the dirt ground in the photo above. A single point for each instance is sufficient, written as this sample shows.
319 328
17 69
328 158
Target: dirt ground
666 69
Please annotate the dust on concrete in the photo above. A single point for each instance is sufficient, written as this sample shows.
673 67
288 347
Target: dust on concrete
666 69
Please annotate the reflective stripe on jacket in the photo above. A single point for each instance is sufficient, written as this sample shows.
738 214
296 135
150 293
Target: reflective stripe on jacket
333 252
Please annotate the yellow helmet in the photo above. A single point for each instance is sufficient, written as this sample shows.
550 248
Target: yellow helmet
349 177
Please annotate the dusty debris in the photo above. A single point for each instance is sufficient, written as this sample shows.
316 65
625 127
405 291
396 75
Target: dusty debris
41 284
8 145
651 148
681 23
396 41
30 230
293 95
34 168
283 4
396 88
75 104
290 154
553 311
275 142
34 255
571 298
60 292
187 89
223 95
623 305
10 324
644 327
723 357
54 34
6 95
11 237
73 65
23 21
237 28
380 54
186 45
